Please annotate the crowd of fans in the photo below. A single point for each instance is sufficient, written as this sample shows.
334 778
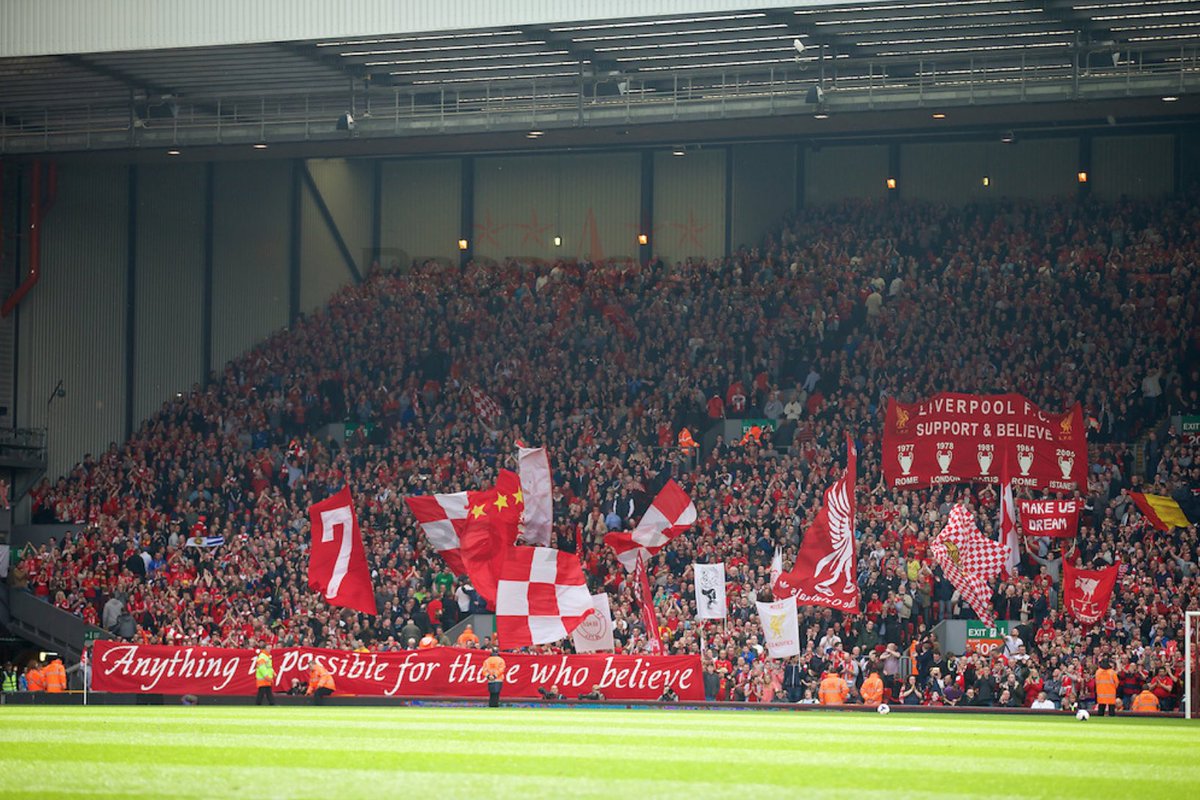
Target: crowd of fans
605 363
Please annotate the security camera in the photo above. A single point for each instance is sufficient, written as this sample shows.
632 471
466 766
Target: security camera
346 122
799 45
815 95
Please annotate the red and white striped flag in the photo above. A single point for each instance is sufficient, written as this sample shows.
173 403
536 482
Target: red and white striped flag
970 560
671 513
542 597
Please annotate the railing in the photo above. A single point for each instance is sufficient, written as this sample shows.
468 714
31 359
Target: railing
522 103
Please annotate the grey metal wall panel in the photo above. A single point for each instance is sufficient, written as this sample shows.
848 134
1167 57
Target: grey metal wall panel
31 27
589 201
72 323
168 350
1139 166
8 282
421 209
689 205
764 188
953 172
838 173
346 185
322 269
250 254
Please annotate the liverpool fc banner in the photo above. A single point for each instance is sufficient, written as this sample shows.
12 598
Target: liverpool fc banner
960 438
436 672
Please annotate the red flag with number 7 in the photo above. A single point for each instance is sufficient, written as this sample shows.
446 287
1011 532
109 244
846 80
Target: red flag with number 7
337 562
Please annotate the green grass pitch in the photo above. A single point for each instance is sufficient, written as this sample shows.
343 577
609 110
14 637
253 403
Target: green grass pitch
452 753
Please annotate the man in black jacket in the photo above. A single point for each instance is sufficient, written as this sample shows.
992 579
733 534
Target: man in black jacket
986 687
793 681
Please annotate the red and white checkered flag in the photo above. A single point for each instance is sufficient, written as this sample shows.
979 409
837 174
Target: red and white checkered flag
487 409
969 560
671 513
542 597
443 518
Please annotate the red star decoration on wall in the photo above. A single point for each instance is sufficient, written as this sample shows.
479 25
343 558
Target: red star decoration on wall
487 231
533 231
690 231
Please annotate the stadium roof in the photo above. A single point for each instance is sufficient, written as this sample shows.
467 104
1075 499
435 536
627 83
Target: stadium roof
752 62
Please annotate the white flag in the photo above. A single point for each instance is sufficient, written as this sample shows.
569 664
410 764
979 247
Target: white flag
204 541
781 627
533 465
776 566
710 590
1008 530
596 631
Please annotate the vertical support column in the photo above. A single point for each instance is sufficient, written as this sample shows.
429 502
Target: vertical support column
798 191
646 214
1085 165
466 224
206 316
377 211
728 200
894 170
1177 182
294 234
131 296
18 256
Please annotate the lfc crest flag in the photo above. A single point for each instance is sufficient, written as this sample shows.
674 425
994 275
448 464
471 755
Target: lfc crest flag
781 627
1088 592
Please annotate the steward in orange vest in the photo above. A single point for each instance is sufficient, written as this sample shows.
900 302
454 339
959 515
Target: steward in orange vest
35 679
468 638
686 443
320 683
493 670
55 676
1106 689
872 690
1145 701
834 690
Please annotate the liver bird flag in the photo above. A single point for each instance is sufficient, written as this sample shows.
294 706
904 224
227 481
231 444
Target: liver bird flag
824 573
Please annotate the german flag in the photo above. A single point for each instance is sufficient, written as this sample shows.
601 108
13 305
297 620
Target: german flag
1164 513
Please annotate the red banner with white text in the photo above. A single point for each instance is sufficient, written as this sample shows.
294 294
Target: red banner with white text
1057 518
962 438
437 672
